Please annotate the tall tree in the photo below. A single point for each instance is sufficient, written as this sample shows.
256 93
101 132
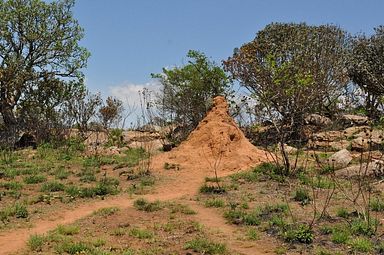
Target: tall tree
367 69
187 91
39 47
293 69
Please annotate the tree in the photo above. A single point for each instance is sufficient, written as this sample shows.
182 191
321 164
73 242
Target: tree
39 52
293 70
81 108
367 69
187 91
111 112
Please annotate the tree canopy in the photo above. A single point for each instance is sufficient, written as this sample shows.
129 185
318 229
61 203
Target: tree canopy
367 68
187 91
40 55
293 69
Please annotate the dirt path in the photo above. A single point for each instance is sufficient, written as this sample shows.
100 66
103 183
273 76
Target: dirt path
180 184
212 220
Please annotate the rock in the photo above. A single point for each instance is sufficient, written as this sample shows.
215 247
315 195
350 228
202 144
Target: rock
289 149
366 144
339 145
352 132
349 120
317 120
375 167
340 159
328 136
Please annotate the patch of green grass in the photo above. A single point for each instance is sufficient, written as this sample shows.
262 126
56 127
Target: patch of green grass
144 205
68 230
16 210
184 209
108 211
362 227
361 245
205 246
36 242
52 186
33 179
61 173
11 185
301 234
377 205
301 195
118 232
141 233
215 202
340 235
73 247
342 212
322 182
236 216
273 171
212 189
252 234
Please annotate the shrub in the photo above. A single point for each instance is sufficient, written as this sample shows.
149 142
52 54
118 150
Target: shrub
21 211
362 227
340 235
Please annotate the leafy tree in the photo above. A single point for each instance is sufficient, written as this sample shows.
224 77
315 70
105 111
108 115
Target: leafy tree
367 69
187 91
80 109
111 112
39 54
293 70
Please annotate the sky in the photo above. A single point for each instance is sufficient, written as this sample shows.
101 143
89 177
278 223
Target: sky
130 39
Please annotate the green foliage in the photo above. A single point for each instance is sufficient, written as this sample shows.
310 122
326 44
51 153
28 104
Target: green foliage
238 216
301 195
361 245
205 246
212 189
366 69
115 137
363 227
342 212
377 205
300 233
52 186
108 211
144 205
252 234
187 91
41 60
68 230
36 242
288 77
141 233
32 179
214 202
340 235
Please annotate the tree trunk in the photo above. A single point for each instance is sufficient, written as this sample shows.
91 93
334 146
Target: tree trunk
8 134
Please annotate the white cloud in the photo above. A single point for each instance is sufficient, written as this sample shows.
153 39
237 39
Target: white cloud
129 93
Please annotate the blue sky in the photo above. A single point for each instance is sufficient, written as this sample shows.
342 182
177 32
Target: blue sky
130 39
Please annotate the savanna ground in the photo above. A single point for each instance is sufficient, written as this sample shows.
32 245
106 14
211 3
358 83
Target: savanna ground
57 200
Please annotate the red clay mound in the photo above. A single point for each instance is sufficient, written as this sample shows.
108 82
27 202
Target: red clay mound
217 140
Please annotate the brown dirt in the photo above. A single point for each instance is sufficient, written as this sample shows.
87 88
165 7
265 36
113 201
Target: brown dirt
216 144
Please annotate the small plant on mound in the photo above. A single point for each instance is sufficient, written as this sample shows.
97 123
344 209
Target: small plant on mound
301 195
212 189
36 242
